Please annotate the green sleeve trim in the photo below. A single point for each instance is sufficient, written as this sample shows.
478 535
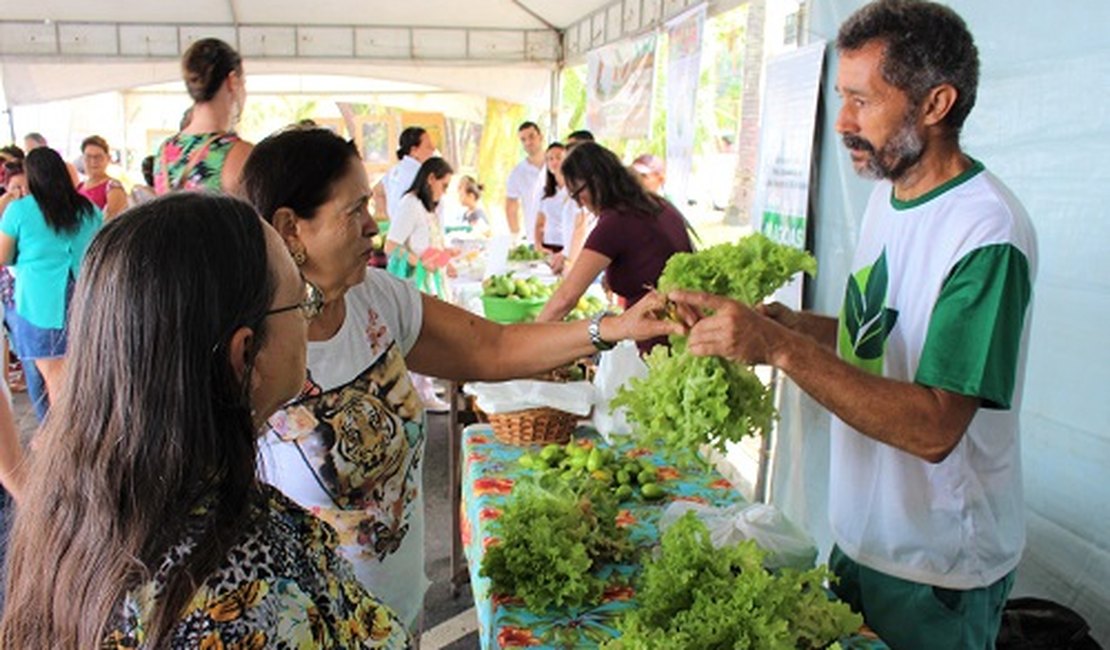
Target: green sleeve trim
967 175
974 337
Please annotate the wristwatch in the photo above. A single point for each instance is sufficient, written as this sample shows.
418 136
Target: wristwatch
594 330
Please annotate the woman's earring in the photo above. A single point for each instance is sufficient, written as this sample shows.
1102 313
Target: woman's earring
299 257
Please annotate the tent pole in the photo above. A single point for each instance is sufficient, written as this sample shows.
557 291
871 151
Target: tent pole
557 86
556 91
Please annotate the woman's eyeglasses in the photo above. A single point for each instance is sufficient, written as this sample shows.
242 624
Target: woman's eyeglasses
574 195
310 307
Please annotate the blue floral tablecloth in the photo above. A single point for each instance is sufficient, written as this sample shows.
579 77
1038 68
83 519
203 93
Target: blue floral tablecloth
489 471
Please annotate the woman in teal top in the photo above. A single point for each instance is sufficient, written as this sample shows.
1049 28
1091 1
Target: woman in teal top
43 236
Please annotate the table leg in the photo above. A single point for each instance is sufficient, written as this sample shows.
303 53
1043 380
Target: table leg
459 574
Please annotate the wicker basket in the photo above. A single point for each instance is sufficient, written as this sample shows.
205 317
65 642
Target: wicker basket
538 426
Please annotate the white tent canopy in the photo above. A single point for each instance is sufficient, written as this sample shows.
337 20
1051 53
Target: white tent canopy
57 49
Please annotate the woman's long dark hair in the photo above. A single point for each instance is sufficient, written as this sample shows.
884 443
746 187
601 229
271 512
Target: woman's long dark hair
434 167
62 206
611 185
295 169
153 422
550 184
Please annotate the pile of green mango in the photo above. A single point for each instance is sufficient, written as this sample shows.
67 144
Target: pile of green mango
587 306
506 286
525 253
576 462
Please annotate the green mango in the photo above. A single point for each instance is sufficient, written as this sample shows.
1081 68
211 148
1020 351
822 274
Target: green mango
595 460
552 453
603 476
652 491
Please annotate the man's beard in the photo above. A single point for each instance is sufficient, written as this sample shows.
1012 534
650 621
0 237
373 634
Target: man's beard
894 159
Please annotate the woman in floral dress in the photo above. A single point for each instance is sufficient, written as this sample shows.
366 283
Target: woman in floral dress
143 524
207 154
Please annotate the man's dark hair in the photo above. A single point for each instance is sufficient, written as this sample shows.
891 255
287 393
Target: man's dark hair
926 45
529 125
581 135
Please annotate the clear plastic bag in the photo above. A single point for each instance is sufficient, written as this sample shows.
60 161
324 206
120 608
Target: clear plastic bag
615 368
786 544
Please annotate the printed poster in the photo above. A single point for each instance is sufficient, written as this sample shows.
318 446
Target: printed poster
684 35
788 120
619 81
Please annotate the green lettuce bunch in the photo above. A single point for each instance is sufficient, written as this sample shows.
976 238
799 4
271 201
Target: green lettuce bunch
696 597
551 541
747 271
688 401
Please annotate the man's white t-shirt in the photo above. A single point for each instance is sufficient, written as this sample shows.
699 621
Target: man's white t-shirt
938 296
397 181
350 448
525 184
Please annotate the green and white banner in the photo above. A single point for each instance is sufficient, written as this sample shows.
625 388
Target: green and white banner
787 123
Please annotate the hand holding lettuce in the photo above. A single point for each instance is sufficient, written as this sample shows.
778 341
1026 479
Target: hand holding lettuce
686 400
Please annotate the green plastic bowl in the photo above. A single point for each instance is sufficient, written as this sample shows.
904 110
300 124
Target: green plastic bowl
512 310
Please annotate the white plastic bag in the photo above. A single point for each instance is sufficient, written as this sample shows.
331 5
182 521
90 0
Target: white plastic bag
616 367
786 544
575 397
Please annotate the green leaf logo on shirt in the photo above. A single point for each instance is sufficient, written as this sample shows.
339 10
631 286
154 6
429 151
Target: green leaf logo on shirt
865 320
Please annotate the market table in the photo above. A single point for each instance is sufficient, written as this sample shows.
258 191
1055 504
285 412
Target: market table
489 471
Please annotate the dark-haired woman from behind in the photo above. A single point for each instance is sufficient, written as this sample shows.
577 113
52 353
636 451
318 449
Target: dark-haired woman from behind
207 154
636 232
144 524
43 236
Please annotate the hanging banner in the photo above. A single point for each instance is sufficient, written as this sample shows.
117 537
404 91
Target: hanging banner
787 124
684 35
619 81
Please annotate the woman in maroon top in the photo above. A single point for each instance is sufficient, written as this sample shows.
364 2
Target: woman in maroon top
636 233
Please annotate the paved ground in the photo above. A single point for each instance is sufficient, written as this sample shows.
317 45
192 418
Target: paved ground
449 619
